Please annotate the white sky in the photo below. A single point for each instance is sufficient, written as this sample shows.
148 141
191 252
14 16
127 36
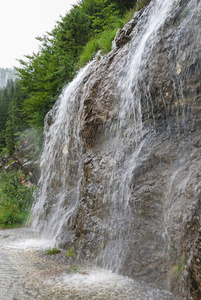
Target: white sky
23 20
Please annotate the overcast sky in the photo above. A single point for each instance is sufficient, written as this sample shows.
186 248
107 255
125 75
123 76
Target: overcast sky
23 20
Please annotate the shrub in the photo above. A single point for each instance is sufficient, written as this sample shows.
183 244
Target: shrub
15 198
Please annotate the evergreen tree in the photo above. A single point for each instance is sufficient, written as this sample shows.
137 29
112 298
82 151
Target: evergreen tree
15 120
105 16
73 31
5 99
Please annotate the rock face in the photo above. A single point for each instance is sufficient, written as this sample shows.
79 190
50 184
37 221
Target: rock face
121 166
25 158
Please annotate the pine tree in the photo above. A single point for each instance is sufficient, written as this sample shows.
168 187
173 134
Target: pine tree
15 119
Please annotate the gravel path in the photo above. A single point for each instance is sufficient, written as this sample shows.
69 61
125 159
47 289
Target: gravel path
10 284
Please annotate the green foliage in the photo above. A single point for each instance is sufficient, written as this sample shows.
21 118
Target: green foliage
15 198
73 31
140 4
128 15
6 96
105 40
125 5
89 51
15 120
43 78
142 212
105 16
53 251
70 252
90 26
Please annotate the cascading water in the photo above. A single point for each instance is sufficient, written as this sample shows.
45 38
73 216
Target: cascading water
57 203
106 186
131 135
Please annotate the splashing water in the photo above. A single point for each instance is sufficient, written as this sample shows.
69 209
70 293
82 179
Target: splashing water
101 284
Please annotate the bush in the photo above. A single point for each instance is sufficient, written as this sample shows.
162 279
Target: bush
15 198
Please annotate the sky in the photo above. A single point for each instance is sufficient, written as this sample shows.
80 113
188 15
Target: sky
21 21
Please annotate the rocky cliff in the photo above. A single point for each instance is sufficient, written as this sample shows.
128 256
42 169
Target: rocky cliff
121 165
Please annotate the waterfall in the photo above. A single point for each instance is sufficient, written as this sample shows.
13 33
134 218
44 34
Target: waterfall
56 203
131 136
108 189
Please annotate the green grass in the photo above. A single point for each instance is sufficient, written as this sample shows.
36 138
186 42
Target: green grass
89 51
53 251
70 252
103 41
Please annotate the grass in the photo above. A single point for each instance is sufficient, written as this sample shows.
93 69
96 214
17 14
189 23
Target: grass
140 4
89 51
103 41
53 251
70 252
177 270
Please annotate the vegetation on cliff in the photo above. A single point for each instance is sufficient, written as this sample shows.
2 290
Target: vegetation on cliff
16 196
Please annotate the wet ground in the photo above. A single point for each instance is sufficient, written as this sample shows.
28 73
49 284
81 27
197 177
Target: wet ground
27 272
